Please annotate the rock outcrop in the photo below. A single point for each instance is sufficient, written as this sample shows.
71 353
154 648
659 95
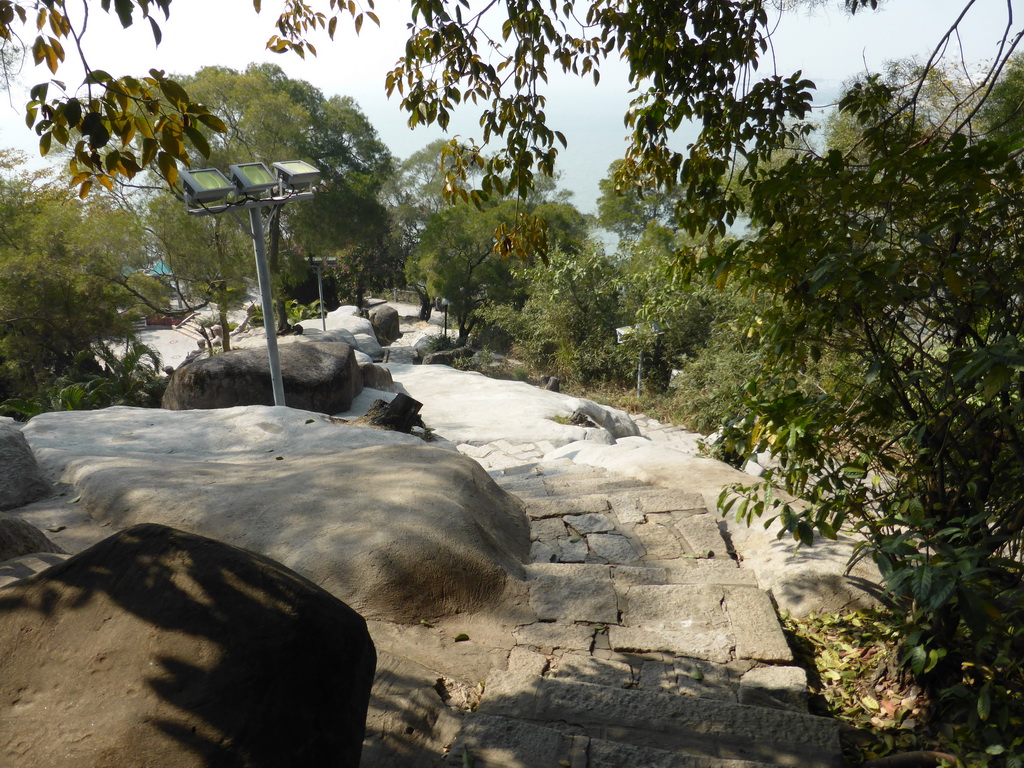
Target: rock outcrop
169 650
18 538
385 321
317 377
397 529
376 377
21 480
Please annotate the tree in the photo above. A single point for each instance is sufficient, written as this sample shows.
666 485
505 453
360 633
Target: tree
209 257
348 218
454 260
269 116
689 62
629 213
66 269
892 389
414 195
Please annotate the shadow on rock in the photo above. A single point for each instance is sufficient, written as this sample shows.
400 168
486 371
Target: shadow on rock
161 648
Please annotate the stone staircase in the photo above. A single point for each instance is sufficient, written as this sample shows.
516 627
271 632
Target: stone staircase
653 647
190 327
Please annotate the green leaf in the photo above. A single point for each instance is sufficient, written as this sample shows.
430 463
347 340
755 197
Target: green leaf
198 140
996 380
461 637
984 703
124 8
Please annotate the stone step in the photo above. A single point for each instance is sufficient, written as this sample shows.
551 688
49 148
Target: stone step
702 620
401 354
685 725
501 742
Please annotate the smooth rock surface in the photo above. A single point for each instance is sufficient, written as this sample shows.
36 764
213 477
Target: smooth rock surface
317 377
21 480
396 528
19 538
168 650
460 406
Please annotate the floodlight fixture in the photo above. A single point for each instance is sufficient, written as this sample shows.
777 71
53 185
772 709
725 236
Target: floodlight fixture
319 262
297 175
253 179
207 185
246 190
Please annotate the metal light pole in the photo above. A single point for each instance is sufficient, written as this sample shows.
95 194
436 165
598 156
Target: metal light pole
445 303
318 263
259 244
253 187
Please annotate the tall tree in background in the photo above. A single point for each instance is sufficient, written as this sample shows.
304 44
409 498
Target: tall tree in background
65 271
270 117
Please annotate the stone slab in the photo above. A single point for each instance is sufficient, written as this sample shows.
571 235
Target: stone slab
552 507
675 607
711 645
718 570
500 742
584 668
696 677
628 575
573 549
592 522
547 529
540 552
548 637
613 548
668 500
702 535
755 625
616 754
773 686
659 538
703 727
566 598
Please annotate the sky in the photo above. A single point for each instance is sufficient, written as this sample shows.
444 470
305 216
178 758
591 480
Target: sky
827 44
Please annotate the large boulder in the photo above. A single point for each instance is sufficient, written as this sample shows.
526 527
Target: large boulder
448 357
468 407
21 480
385 321
317 377
18 538
160 648
399 530
344 318
376 377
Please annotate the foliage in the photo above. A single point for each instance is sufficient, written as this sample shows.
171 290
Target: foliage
628 213
688 62
131 377
116 126
454 260
442 343
71 274
856 669
893 379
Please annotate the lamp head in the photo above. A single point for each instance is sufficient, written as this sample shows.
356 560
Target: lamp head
204 186
253 179
297 175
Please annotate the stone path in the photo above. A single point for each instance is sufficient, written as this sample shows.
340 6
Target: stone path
653 646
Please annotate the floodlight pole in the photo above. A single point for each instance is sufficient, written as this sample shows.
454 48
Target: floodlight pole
318 265
267 300
294 181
